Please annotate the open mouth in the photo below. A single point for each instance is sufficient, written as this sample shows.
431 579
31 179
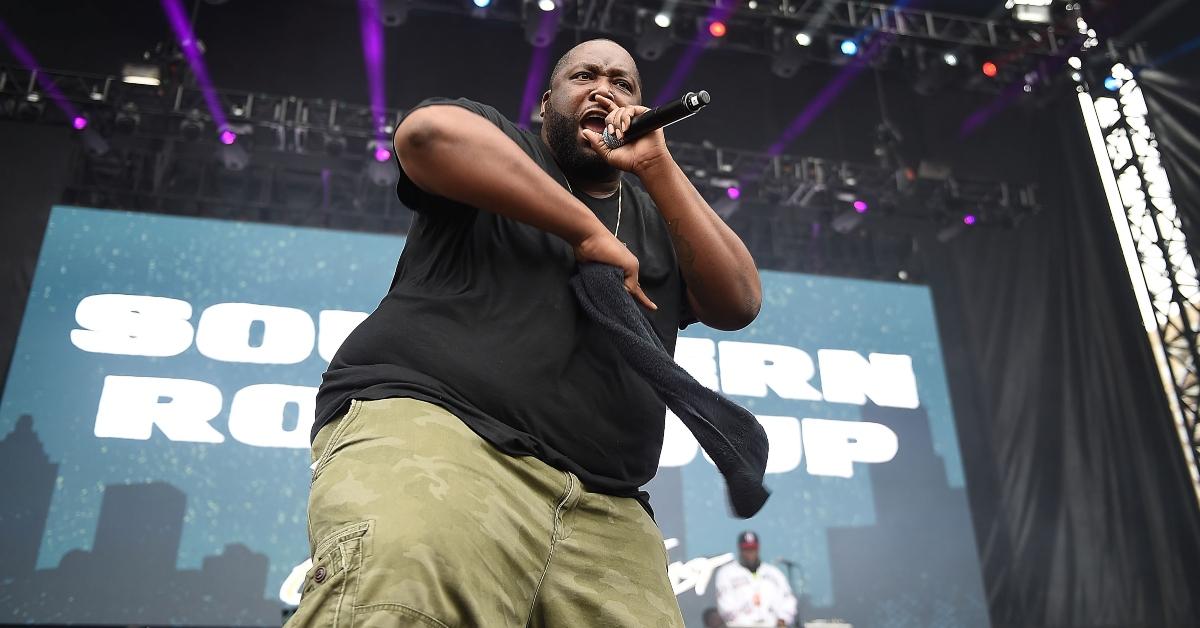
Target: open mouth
593 122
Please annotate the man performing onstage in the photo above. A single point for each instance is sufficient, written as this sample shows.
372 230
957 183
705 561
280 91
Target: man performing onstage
751 594
479 447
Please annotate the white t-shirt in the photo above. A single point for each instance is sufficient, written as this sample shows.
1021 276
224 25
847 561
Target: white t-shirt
754 599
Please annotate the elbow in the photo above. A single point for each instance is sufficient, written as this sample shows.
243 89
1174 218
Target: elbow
416 134
734 317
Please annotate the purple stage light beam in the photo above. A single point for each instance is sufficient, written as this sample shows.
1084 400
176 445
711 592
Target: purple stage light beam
26 59
720 12
535 79
834 88
187 43
372 42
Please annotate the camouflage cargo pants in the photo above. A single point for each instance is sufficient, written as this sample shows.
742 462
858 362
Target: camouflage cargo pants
416 521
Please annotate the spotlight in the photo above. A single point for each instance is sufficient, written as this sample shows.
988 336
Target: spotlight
393 12
141 74
803 39
93 143
846 221
849 47
79 123
653 36
733 192
990 69
31 108
861 206
717 28
1112 83
969 219
950 58
232 156
541 27
192 126
1075 63
379 171
483 4
1036 11
127 119
227 138
335 144
787 56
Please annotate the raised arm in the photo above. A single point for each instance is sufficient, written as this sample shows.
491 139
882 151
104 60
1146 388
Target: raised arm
724 288
452 152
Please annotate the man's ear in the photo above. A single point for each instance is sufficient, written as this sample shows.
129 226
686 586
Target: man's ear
542 108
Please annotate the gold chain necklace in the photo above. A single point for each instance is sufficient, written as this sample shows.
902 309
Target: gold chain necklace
620 189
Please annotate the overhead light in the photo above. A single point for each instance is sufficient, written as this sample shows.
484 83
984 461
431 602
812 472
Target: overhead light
989 69
1075 62
717 28
848 47
950 58
79 123
141 74
1035 11
803 39
547 5
653 36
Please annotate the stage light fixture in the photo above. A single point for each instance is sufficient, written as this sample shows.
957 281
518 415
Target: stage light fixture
846 221
79 123
127 119
483 4
969 219
733 192
848 47
232 156
1034 11
335 143
950 58
380 172
1075 63
803 39
141 74
1112 83
227 137
393 12
541 27
787 55
861 206
717 29
192 126
662 20
990 69
653 38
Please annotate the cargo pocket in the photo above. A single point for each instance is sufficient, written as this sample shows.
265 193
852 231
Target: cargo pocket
327 598
330 436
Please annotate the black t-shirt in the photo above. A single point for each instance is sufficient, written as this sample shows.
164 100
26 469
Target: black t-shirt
480 320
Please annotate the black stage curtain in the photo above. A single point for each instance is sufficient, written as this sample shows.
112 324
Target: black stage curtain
1082 505
1174 106
34 169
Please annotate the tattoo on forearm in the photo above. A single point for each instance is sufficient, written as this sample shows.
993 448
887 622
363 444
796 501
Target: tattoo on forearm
686 254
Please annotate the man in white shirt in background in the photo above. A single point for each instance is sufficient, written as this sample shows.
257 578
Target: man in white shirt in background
751 594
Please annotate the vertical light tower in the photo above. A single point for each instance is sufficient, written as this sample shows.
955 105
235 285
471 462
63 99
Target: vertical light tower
1160 266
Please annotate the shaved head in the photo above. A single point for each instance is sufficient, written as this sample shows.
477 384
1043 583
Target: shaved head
561 65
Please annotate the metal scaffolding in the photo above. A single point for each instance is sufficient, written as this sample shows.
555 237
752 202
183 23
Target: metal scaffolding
1161 267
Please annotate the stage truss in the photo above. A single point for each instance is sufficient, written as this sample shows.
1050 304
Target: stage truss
1161 267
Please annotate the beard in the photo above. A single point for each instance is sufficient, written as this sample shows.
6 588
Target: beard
576 160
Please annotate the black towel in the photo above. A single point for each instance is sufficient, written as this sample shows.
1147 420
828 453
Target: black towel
728 432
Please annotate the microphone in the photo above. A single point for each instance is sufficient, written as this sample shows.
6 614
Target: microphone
659 117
